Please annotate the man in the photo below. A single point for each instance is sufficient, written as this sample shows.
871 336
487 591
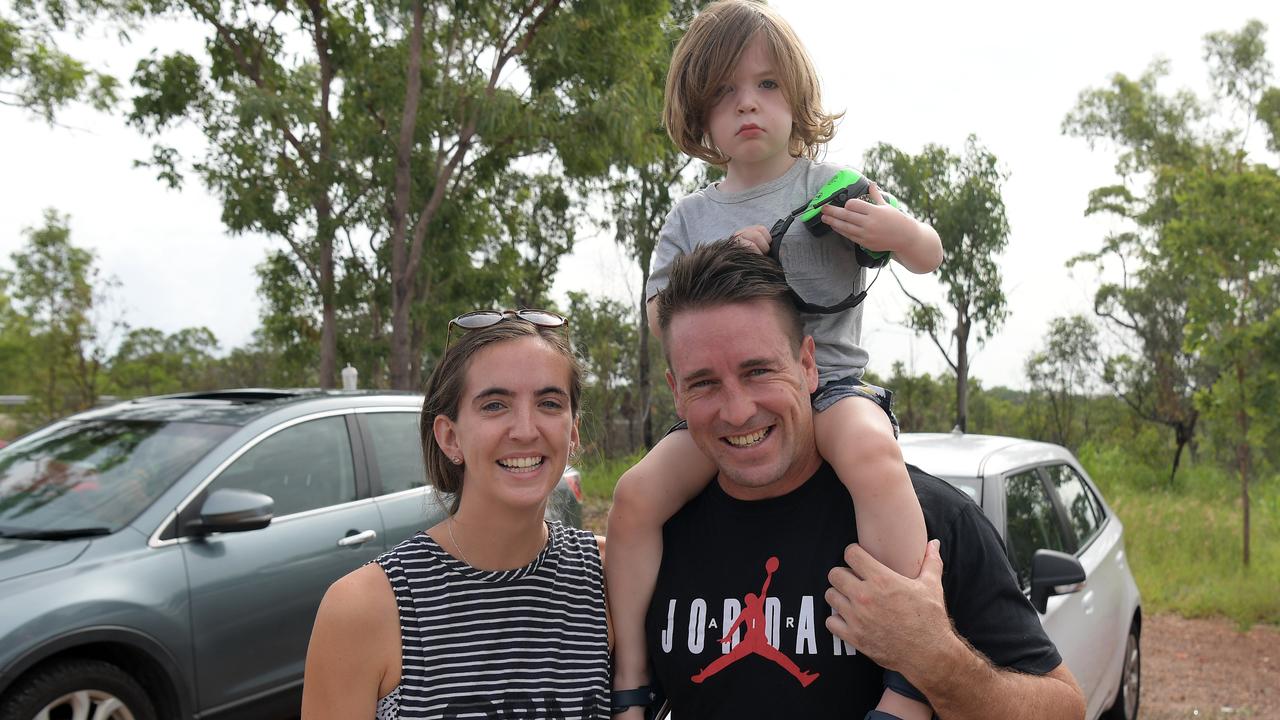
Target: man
749 618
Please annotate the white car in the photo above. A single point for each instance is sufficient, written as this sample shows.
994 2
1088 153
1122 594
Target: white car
1066 547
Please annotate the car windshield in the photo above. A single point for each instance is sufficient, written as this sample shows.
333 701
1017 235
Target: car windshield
968 485
91 478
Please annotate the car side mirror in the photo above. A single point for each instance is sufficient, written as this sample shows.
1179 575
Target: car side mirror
1053 573
232 510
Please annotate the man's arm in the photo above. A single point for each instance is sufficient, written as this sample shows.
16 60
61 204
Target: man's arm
902 624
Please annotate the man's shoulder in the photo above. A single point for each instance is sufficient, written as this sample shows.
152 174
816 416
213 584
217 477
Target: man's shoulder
940 501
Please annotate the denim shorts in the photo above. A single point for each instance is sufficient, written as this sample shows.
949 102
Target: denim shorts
837 390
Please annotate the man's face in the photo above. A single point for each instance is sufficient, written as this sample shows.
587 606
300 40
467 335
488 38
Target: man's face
745 394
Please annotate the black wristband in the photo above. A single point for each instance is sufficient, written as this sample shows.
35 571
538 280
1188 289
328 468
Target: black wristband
880 715
622 700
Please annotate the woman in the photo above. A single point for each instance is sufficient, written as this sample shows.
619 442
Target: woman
492 612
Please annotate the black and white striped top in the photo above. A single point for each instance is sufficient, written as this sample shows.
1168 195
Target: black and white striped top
530 642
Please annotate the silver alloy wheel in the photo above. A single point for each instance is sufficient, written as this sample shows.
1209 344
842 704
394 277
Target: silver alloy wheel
86 705
1131 680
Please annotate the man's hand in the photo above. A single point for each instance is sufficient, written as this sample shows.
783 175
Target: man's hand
755 238
902 624
897 621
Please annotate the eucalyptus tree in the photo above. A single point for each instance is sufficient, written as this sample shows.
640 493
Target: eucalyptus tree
61 298
487 90
39 77
959 195
1205 244
263 93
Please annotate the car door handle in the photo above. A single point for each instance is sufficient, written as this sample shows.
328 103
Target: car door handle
1087 602
357 538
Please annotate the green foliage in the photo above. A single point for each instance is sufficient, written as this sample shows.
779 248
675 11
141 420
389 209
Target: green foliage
606 336
1183 541
58 297
959 195
1202 266
1061 374
35 75
600 472
148 362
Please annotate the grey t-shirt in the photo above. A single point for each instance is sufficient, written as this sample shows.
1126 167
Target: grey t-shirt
822 270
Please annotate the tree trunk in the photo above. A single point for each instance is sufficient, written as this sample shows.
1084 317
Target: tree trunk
324 207
402 276
329 315
962 375
1243 459
643 384
1183 432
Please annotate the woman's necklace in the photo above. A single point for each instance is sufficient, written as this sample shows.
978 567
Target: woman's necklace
461 555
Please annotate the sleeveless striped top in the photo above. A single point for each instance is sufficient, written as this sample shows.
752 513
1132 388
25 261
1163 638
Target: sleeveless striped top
530 642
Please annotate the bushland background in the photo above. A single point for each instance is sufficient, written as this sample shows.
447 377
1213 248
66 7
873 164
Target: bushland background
405 162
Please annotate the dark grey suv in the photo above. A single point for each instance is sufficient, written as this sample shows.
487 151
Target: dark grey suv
164 558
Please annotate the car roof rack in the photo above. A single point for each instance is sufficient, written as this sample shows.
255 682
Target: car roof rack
246 396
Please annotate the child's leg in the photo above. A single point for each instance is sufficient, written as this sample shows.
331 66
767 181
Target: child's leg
647 495
856 437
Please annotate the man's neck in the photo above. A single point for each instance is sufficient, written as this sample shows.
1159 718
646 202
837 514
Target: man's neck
795 476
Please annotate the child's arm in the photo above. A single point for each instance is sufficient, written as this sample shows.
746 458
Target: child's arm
855 436
878 226
647 495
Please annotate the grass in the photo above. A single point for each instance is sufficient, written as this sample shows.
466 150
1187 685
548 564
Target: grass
1185 541
600 474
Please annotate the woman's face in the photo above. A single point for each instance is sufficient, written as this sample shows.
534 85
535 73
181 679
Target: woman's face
515 427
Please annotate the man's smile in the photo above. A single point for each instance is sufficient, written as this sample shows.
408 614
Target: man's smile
749 439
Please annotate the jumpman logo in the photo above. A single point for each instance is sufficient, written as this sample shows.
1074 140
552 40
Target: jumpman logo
755 642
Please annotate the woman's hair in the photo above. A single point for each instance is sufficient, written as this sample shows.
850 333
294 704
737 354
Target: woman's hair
708 54
448 380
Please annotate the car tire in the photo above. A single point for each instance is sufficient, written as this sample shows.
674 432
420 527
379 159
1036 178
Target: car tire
78 688
1126 705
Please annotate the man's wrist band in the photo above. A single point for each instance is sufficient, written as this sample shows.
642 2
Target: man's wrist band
880 715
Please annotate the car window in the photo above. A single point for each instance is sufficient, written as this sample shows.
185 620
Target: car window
397 450
1083 510
95 474
1032 522
303 467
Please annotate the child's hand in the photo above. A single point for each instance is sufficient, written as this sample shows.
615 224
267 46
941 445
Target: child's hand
874 225
755 238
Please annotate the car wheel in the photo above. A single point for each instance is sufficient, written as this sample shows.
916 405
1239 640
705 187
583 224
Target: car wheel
78 689
1126 705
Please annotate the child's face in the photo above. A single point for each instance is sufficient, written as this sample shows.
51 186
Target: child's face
750 120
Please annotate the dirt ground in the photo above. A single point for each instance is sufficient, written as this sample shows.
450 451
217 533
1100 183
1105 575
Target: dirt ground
1202 668
1205 668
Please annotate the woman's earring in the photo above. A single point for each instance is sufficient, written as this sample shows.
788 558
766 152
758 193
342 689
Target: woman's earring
457 459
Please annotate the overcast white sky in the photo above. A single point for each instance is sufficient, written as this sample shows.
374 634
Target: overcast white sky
907 73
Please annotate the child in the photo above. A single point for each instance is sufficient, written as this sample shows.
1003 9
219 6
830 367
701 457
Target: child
742 94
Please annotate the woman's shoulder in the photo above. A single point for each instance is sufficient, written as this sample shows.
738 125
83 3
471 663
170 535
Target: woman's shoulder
362 597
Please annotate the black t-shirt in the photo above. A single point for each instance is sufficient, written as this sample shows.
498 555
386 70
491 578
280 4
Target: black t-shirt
783 662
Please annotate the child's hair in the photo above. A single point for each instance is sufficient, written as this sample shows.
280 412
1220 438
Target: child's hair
707 55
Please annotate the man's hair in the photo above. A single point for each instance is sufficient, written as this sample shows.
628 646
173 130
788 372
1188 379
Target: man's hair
445 387
707 55
726 273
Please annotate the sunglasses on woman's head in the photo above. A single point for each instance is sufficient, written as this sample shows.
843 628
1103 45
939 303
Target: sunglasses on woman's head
477 319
